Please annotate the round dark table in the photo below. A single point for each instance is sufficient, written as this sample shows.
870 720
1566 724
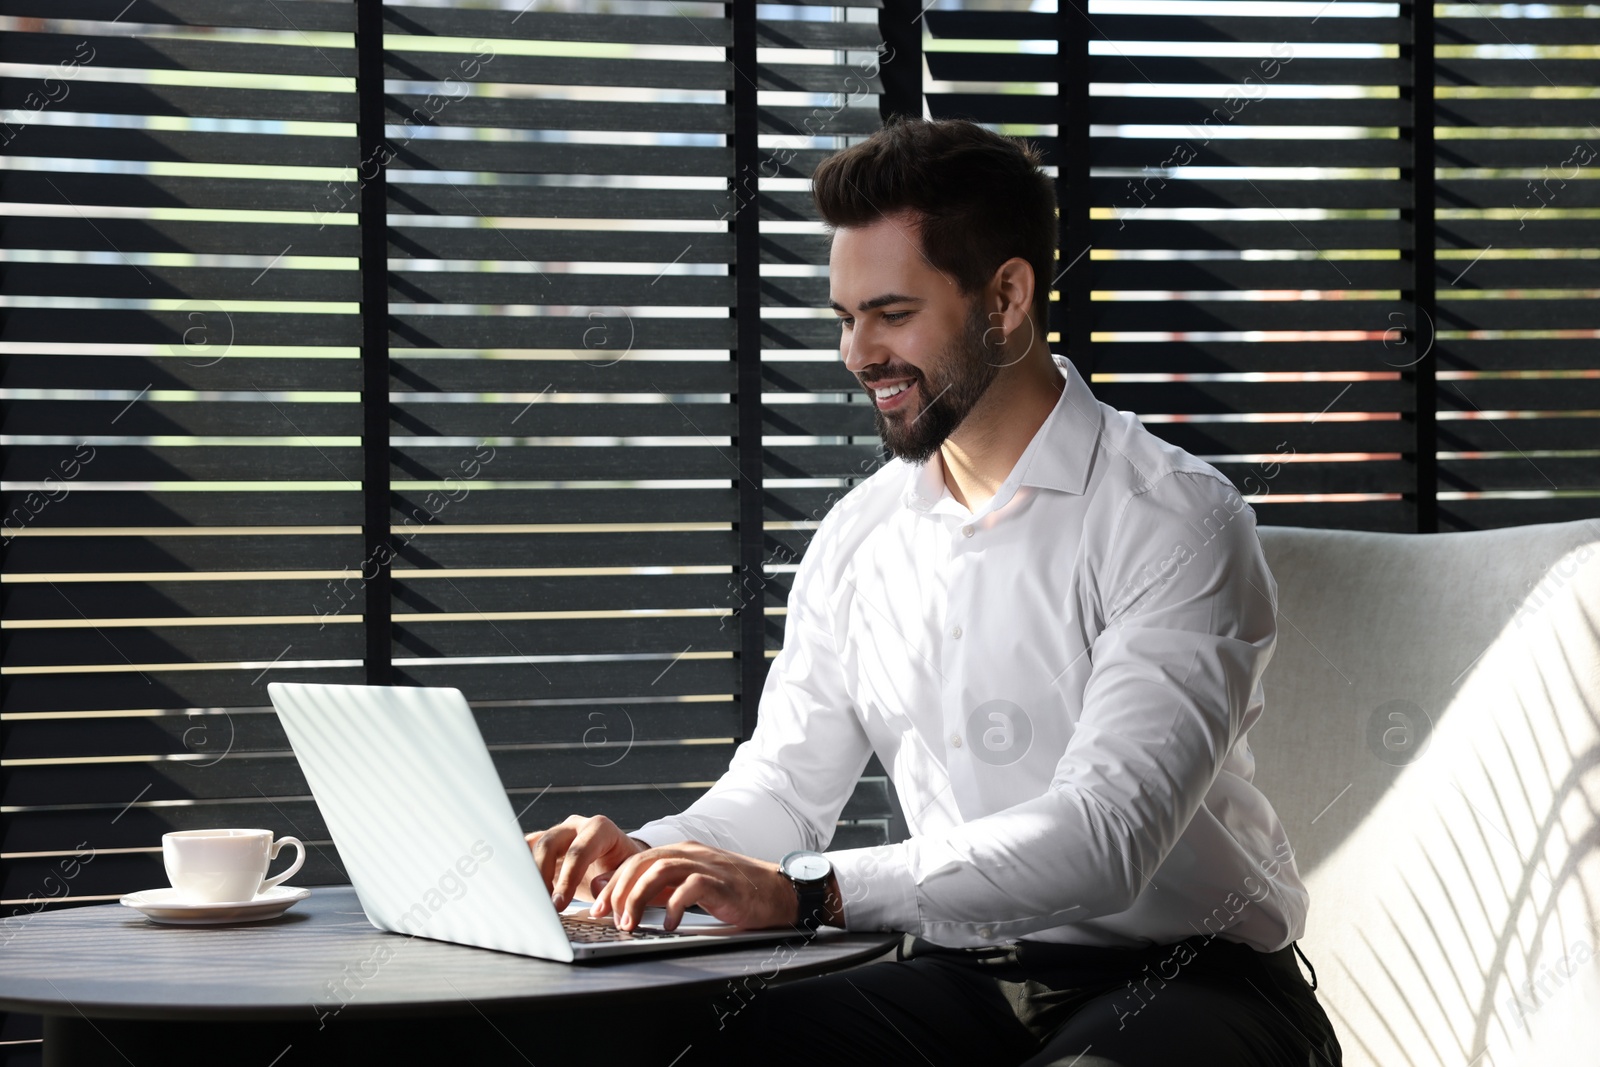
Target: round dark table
321 985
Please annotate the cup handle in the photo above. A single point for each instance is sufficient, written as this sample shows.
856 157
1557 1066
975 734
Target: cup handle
299 861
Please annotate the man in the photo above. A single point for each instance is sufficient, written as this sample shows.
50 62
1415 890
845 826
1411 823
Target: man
1051 628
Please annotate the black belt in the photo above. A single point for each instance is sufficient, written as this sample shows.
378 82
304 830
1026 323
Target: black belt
1093 959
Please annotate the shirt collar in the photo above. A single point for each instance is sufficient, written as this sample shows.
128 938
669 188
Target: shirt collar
1058 456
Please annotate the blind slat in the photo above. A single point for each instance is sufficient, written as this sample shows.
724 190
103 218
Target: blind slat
291 15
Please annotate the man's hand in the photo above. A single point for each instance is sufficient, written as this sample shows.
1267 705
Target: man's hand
735 889
576 857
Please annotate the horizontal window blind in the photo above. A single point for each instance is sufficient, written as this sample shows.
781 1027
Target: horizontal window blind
569 425
1275 224
396 343
183 425
1518 232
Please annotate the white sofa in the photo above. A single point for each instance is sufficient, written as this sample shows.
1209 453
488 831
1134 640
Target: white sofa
1432 743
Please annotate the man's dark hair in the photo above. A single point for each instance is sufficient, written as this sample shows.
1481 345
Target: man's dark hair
981 198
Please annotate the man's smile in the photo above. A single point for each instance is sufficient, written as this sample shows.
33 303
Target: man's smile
897 399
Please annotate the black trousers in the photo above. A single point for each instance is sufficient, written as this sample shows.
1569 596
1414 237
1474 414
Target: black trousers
1199 1002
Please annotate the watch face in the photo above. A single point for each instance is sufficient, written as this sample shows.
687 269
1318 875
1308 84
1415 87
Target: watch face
807 866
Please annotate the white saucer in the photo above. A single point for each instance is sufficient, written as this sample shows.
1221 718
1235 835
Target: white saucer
164 905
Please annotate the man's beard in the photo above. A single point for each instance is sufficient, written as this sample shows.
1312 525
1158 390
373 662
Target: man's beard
948 392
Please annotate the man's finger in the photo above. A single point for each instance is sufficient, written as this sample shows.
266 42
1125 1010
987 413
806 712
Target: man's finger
691 892
602 900
643 889
574 861
617 888
547 851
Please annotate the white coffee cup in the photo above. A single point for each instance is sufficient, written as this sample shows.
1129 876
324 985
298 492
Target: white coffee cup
224 866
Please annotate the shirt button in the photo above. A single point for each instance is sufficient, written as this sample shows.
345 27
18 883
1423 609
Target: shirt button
966 531
985 931
955 740
955 631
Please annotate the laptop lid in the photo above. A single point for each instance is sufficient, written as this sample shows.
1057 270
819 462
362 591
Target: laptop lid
427 834
418 813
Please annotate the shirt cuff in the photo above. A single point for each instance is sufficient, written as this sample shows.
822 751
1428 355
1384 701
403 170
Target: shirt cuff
877 887
658 833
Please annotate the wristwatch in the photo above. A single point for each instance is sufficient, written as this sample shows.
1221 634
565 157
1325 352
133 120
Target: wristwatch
808 873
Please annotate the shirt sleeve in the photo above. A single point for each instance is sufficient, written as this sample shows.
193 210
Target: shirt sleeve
787 784
1189 609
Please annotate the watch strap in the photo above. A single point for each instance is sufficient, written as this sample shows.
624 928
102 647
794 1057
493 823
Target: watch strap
813 904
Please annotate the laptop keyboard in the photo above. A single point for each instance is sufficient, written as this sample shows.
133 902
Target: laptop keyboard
591 931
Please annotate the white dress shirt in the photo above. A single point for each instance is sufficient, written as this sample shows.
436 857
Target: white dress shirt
1059 684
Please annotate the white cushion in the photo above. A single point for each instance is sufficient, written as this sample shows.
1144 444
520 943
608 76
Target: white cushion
1430 741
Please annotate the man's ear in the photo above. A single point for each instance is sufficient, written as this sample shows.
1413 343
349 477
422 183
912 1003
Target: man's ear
1007 303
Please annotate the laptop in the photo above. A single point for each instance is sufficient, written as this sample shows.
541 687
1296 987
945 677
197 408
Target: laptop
429 839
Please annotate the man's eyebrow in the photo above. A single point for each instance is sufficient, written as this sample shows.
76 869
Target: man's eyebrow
879 301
